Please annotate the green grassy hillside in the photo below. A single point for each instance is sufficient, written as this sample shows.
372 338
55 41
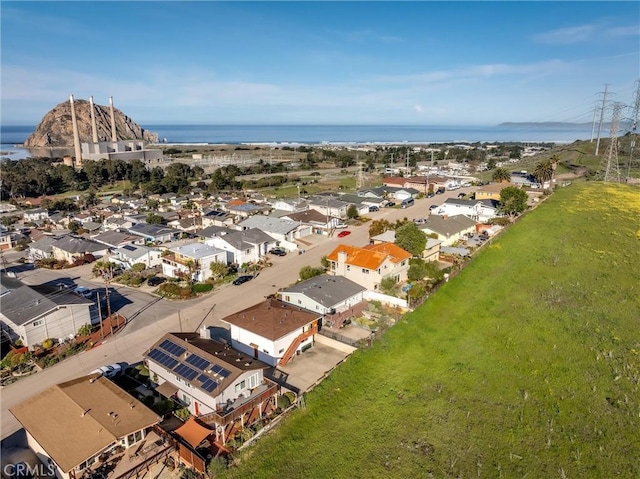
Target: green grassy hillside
526 364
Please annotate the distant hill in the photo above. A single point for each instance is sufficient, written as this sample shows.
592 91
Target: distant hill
56 129
543 124
560 125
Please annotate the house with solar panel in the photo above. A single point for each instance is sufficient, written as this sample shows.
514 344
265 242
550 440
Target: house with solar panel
224 388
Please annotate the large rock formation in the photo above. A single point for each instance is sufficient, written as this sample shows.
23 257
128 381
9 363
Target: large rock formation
56 129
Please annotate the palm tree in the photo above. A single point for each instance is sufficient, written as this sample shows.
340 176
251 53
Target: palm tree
543 171
501 175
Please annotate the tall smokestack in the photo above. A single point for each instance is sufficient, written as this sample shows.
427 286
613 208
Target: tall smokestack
94 129
76 136
114 137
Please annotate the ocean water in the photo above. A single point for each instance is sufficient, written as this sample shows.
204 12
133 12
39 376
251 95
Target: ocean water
12 136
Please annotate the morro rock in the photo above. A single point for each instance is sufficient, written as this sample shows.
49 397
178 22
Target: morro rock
56 129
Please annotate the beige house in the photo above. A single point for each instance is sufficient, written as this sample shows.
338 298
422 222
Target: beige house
449 229
73 425
491 191
431 250
368 266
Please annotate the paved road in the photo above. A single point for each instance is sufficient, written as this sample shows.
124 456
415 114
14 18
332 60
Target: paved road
163 317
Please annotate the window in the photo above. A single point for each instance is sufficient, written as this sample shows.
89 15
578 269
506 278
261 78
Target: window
281 351
240 386
403 263
38 322
299 301
365 271
253 381
287 298
348 268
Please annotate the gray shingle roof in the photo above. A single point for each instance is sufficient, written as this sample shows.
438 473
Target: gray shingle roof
73 244
22 303
448 226
269 224
326 290
243 239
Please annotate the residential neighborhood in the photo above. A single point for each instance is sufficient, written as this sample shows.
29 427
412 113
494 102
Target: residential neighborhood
224 381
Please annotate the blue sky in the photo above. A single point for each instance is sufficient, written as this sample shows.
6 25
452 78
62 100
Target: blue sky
430 63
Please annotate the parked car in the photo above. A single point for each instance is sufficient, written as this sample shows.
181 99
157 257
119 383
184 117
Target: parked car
440 191
156 280
390 204
278 252
461 195
111 370
373 209
342 234
433 207
431 194
341 226
242 279
82 291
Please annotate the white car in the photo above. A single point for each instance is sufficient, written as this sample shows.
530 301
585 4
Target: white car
110 371
341 226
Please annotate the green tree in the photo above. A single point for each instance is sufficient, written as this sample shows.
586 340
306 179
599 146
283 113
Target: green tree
410 238
378 227
491 163
544 169
218 270
513 201
152 204
352 212
325 262
308 272
389 286
216 467
74 226
138 267
418 270
501 175
154 219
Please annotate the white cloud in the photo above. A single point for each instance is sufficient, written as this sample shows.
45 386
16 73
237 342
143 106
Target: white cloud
569 35
631 30
418 108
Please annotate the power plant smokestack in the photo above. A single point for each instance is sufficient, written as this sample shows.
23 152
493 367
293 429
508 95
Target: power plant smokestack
76 136
114 137
94 129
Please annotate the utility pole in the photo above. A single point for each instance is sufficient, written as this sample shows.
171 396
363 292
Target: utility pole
604 100
634 126
611 166
593 122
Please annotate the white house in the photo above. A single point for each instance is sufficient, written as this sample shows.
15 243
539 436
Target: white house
273 331
246 246
479 210
224 388
154 233
194 258
35 216
280 229
35 313
130 254
324 294
290 206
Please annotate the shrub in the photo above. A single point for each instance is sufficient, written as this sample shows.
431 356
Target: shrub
47 343
284 402
182 413
84 330
201 288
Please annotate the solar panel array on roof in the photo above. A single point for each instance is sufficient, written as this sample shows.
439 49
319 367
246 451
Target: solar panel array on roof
209 385
172 347
198 362
186 372
162 358
128 247
219 370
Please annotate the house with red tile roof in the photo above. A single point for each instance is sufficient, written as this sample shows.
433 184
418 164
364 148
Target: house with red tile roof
369 265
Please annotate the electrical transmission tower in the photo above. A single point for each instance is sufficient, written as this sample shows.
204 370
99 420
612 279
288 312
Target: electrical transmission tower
634 126
609 167
604 102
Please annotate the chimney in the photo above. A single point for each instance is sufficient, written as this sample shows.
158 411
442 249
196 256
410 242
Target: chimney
342 257
94 129
114 137
76 136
